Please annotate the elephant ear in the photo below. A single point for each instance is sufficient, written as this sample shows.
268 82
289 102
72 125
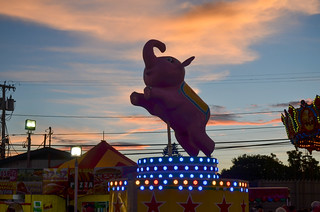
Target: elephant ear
187 61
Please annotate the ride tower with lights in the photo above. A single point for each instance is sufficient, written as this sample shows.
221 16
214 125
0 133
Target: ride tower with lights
176 183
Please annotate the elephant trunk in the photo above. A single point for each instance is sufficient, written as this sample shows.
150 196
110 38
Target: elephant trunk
149 57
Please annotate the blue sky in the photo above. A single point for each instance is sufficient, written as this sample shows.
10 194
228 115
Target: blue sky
83 59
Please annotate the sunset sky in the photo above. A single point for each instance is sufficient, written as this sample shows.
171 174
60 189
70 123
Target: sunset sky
75 63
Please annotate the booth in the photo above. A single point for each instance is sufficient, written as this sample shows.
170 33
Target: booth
52 189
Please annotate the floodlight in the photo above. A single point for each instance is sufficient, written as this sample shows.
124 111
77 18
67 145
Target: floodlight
30 124
76 151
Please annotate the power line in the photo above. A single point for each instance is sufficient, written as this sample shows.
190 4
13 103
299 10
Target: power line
147 132
245 128
255 80
142 151
92 145
218 148
78 116
158 144
253 145
284 77
252 141
135 116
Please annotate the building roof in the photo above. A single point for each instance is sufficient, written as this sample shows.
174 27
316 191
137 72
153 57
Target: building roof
39 154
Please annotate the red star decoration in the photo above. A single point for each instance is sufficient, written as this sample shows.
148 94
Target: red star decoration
243 206
189 206
224 206
117 206
153 206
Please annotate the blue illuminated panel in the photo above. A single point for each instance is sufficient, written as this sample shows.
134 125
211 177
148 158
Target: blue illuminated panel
183 167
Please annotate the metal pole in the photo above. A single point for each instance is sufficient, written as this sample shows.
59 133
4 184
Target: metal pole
169 140
75 185
50 133
45 141
28 152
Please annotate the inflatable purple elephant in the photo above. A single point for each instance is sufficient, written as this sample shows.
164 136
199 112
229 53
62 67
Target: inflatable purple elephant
169 97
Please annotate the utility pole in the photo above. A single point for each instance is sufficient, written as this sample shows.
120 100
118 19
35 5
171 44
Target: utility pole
45 141
49 154
50 133
28 152
6 105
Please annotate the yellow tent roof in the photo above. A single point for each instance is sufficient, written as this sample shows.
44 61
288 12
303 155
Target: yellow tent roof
102 155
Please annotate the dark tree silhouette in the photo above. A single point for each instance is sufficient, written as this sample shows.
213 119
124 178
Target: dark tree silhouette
302 166
256 167
175 151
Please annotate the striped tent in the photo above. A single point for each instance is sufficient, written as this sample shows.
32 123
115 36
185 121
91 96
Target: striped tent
102 155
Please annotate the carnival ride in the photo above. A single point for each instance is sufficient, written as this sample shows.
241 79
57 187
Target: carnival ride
303 125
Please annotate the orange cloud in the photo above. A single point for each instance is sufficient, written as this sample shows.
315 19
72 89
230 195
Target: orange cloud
214 32
222 32
240 123
137 147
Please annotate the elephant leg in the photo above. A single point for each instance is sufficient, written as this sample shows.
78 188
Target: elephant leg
203 142
138 99
184 141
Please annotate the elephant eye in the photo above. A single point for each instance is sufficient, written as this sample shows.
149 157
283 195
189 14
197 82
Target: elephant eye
170 59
